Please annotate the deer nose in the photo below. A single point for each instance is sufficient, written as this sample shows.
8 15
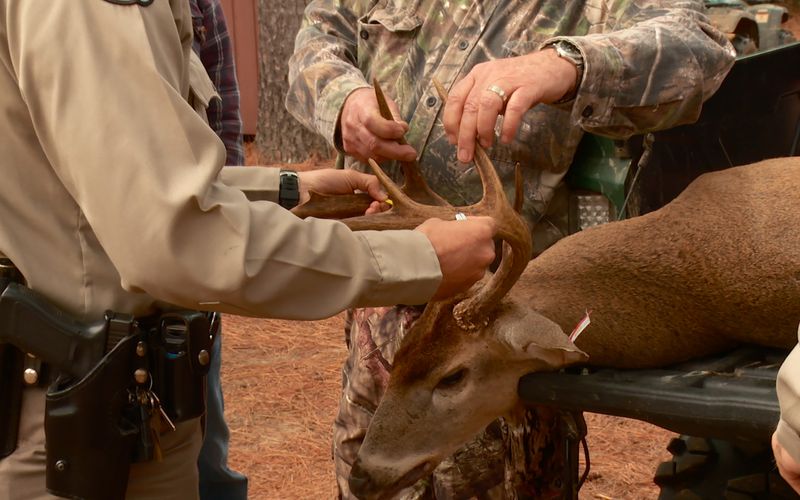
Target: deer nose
360 482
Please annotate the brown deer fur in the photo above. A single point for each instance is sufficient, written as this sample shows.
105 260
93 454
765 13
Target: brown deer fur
718 266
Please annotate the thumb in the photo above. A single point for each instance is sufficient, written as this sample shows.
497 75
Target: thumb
369 183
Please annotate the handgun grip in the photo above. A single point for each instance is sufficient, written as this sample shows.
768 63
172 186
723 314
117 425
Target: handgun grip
30 322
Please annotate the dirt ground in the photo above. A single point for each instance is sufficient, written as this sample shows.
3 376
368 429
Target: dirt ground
281 397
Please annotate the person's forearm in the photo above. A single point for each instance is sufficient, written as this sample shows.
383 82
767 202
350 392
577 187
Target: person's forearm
153 196
322 70
651 74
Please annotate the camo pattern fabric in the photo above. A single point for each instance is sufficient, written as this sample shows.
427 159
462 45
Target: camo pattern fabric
523 460
649 64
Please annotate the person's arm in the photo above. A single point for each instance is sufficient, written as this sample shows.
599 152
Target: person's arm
110 113
652 69
322 70
786 440
216 53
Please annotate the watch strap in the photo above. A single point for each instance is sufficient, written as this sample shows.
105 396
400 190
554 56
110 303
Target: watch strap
289 189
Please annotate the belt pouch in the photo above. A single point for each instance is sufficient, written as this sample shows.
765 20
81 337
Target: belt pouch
89 439
11 383
179 376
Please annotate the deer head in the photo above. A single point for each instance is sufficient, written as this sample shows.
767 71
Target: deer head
458 367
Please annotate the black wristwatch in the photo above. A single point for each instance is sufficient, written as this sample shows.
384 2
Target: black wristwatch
289 190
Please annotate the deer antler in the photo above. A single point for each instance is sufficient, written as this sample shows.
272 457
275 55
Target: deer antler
407 213
413 182
472 312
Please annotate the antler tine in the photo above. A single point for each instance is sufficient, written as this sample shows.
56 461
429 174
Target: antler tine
396 194
408 210
472 312
406 213
413 183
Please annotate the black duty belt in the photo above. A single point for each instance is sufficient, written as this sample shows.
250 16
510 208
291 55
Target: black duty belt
113 385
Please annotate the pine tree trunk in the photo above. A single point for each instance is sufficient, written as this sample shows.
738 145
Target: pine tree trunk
279 137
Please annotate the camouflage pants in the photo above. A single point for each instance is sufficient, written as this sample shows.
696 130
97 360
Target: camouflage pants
504 462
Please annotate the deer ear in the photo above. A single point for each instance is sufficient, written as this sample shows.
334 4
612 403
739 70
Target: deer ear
530 335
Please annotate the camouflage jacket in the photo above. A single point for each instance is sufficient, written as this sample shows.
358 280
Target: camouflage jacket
649 64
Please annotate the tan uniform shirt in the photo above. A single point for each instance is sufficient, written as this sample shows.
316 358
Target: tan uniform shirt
788 432
112 194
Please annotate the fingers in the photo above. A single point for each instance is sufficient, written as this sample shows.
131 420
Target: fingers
377 207
472 109
465 250
383 128
491 106
518 104
451 118
359 181
366 134
475 102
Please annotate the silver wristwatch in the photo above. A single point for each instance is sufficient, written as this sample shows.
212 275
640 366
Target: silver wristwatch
569 51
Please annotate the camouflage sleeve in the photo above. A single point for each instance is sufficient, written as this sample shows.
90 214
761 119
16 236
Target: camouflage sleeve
651 68
323 70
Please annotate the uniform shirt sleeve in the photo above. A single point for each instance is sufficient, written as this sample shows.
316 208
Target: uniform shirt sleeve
323 70
788 386
652 68
110 112
257 183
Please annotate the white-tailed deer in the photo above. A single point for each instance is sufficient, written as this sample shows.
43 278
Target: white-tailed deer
718 266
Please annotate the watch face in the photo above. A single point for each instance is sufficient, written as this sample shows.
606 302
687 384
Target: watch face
289 190
569 51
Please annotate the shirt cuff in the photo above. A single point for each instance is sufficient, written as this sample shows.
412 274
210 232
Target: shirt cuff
602 66
330 104
408 265
257 183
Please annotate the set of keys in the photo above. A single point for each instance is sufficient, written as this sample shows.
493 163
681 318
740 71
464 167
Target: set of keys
153 421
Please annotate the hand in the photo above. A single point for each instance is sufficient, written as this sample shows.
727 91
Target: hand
365 134
335 181
788 468
465 249
472 109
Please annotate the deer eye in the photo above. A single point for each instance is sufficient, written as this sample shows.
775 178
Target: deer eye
452 380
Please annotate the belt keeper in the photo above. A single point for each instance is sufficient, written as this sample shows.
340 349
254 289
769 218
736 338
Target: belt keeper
119 326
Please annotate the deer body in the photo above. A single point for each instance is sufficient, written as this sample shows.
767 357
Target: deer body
718 266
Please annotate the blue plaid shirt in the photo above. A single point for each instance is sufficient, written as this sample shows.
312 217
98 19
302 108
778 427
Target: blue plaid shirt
213 44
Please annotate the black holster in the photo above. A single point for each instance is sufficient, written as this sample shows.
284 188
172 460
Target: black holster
96 426
11 369
12 361
90 429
